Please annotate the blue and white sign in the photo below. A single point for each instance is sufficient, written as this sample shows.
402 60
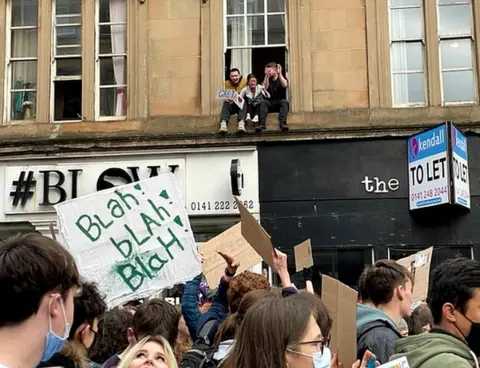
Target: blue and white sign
461 180
428 169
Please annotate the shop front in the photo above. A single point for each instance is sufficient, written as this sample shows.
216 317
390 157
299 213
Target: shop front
31 186
351 198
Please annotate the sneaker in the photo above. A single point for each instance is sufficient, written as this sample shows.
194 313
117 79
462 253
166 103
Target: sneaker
255 119
223 127
284 126
241 126
248 118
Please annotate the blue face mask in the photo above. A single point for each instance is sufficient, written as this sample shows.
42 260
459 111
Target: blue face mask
320 360
54 343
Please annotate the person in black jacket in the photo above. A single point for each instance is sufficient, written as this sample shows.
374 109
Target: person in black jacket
387 298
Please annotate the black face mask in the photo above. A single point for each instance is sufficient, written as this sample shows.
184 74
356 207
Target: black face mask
473 338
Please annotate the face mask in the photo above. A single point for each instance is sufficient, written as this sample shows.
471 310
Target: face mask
320 360
473 338
54 343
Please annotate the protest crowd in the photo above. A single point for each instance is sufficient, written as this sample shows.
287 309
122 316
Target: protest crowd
51 317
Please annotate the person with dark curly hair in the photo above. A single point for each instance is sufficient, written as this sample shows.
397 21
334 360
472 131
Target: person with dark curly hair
112 335
89 307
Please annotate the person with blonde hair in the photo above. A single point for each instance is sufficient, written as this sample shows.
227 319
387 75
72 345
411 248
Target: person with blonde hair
154 351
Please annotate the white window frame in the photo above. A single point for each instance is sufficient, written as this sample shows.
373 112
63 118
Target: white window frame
98 56
245 16
470 37
54 57
406 41
9 60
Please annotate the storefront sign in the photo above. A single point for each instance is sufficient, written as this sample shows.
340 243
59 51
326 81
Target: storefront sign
428 168
204 180
461 180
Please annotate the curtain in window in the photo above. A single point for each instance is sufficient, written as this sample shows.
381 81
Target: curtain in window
118 13
399 59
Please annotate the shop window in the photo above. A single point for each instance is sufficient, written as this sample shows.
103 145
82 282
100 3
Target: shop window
407 52
439 255
111 59
455 33
67 61
255 34
21 50
344 264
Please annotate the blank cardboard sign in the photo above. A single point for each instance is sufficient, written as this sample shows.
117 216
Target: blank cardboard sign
255 234
303 255
341 302
419 265
232 242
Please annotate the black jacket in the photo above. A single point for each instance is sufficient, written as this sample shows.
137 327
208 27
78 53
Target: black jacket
379 337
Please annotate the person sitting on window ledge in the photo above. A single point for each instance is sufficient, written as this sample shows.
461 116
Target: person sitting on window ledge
229 108
276 85
254 96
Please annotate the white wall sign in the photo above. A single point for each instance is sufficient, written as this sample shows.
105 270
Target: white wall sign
133 240
461 179
204 180
379 186
428 169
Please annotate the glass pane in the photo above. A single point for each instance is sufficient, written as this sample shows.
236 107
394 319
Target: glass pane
64 7
24 43
456 54
113 70
235 6
406 23
450 2
256 30
24 13
69 67
458 86
113 39
69 36
408 89
68 50
113 101
235 31
276 29
454 20
255 6
395 3
106 15
24 74
407 57
274 6
23 105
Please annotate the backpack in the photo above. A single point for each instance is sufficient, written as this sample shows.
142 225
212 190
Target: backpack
202 352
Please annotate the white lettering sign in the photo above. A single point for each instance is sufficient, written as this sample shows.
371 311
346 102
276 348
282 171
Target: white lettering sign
376 185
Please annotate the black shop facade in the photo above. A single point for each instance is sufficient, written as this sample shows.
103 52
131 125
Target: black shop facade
351 199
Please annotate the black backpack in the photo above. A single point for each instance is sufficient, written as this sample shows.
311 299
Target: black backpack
202 352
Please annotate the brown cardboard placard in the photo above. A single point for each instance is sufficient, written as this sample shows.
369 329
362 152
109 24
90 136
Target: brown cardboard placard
341 302
255 234
303 255
232 242
419 265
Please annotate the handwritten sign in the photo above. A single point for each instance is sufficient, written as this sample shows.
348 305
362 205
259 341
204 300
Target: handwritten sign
230 94
303 255
419 265
133 240
255 234
232 242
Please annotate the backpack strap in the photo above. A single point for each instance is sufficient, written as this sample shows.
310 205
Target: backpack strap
204 333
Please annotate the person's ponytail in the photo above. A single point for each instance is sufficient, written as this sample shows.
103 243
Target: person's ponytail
228 328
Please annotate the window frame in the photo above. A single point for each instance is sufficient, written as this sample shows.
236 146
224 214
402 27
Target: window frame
54 57
407 41
98 57
9 61
472 39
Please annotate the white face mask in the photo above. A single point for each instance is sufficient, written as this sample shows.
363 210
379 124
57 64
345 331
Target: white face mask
320 360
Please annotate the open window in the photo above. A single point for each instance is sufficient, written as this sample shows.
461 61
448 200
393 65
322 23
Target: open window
255 34
67 61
